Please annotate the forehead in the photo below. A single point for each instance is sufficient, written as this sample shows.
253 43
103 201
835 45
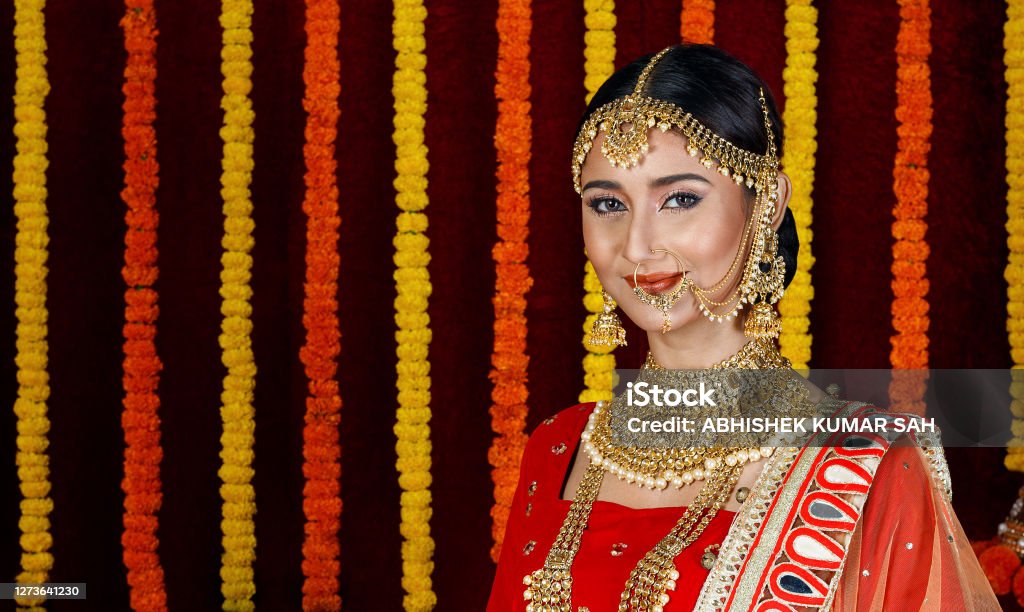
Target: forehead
666 154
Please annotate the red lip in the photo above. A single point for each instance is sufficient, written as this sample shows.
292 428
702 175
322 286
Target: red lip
656 282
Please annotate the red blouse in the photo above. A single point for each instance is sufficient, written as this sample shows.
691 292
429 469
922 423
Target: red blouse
615 540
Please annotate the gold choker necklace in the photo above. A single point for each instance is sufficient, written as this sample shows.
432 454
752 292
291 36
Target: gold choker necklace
657 468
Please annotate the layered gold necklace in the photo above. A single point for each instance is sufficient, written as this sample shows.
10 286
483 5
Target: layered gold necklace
657 468
550 587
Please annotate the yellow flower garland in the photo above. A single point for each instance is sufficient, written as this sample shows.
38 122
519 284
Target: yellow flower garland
799 119
237 526
599 51
412 279
30 89
1013 42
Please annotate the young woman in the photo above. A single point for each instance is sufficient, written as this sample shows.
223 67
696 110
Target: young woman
685 220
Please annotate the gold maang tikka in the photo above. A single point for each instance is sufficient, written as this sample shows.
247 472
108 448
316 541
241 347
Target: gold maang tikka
625 123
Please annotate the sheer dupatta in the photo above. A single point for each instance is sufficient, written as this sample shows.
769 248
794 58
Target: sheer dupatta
909 551
850 522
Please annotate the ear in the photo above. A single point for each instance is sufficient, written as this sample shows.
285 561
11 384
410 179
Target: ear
785 193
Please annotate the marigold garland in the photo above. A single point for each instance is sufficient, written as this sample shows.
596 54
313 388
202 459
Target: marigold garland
412 280
910 250
512 140
30 254
1000 564
800 119
599 51
697 21
321 447
140 418
237 413
1013 42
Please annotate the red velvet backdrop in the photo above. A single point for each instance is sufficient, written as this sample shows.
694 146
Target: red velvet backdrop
850 318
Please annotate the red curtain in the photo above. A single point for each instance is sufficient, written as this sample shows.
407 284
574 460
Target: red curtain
850 319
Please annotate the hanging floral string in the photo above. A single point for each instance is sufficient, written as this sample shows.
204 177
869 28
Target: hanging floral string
800 119
140 419
238 529
30 254
512 140
412 281
599 51
321 448
910 250
1013 42
697 22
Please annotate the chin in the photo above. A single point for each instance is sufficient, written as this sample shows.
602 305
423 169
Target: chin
652 320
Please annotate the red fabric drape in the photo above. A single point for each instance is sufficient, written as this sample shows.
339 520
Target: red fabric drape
850 318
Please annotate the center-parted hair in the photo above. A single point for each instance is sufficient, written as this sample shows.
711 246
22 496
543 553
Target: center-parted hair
719 91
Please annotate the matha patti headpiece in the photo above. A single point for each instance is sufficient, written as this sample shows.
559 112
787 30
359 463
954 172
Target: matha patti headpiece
625 123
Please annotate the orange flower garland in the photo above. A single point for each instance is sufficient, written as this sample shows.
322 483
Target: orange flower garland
910 250
698 21
321 448
999 563
140 419
512 139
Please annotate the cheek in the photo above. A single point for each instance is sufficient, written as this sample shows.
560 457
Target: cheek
601 240
716 240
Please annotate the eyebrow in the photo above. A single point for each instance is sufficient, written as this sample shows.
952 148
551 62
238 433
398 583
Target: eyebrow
658 182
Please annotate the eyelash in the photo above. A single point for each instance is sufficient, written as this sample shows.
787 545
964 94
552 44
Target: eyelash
596 202
683 195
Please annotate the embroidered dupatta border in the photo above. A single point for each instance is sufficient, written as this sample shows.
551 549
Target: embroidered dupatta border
786 466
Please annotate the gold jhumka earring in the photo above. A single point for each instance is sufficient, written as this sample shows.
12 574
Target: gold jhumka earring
662 301
607 329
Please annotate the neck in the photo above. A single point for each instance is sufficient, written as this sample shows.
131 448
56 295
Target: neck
699 344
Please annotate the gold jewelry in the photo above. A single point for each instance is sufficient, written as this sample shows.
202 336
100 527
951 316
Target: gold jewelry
607 329
662 301
550 587
625 123
657 468
708 560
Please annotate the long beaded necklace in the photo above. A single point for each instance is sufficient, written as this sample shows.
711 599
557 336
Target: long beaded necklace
549 589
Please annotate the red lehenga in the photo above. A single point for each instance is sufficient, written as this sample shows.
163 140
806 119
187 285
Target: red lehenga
858 524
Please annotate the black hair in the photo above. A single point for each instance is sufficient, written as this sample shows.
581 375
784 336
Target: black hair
719 91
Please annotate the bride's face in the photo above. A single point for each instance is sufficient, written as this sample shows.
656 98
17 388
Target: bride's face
668 201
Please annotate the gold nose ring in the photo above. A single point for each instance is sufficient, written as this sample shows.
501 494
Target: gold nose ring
662 302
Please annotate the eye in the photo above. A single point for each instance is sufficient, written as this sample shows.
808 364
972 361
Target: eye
682 199
606 205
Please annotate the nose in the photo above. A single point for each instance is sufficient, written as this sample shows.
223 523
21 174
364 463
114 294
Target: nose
639 238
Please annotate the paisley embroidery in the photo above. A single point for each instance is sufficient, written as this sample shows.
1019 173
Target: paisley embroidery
842 474
814 549
861 445
826 510
794 584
